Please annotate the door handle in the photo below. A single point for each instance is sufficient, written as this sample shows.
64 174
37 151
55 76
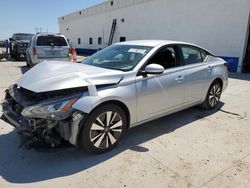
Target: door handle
179 78
209 68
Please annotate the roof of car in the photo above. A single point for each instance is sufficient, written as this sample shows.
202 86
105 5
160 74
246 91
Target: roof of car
46 34
154 43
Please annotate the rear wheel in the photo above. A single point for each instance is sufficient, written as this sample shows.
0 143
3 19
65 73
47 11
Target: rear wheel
17 57
213 96
28 62
103 129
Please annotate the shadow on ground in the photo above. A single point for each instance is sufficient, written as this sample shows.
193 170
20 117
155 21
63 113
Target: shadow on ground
18 165
239 76
24 69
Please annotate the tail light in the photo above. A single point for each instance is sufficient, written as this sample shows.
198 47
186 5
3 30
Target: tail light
70 50
34 51
226 65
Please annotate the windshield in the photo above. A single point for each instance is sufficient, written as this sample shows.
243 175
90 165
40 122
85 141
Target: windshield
22 36
51 41
118 57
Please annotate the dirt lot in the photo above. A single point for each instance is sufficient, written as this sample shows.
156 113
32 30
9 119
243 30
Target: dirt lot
192 148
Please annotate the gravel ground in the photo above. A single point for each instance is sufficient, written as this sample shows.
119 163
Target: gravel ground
192 148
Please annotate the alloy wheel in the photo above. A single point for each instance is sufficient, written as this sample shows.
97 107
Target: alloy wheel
106 129
214 95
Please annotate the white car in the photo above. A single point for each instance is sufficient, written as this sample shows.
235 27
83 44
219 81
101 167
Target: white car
47 46
92 104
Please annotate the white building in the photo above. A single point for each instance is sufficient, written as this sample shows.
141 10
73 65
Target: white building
220 26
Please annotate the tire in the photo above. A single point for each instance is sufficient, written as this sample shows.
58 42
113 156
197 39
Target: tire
103 129
213 96
12 56
28 62
17 57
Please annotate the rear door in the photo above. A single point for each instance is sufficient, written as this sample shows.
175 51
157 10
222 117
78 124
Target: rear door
198 72
52 46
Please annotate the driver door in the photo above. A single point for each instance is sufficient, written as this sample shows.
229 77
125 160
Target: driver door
158 94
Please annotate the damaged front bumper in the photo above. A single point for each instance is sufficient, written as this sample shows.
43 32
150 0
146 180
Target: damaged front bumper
40 131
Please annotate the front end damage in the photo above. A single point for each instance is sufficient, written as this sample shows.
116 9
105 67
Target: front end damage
47 118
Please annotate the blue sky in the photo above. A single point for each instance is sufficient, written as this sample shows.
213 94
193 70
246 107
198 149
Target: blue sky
26 15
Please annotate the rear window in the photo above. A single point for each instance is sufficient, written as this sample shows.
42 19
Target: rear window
22 36
51 41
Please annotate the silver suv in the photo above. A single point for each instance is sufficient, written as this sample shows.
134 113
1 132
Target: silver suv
47 46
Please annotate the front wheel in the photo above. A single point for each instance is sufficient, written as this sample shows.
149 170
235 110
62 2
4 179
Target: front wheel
103 129
213 96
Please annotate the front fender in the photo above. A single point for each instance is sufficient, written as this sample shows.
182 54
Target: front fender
88 103
124 94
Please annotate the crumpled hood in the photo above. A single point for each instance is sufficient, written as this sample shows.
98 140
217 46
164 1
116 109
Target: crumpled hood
57 75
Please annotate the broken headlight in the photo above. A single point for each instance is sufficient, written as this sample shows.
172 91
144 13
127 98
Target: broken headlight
59 109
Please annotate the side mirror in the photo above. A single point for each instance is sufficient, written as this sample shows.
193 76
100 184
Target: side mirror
10 39
154 69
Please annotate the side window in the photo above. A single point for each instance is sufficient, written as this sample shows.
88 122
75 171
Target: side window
165 57
203 54
191 55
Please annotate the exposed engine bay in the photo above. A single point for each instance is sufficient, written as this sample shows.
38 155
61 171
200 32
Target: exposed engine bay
43 118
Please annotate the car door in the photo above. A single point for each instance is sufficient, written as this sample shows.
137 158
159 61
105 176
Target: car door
198 72
158 94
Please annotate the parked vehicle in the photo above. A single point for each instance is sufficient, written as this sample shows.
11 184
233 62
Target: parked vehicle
18 44
124 85
4 50
47 46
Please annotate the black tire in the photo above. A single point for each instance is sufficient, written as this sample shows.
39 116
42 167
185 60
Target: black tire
12 56
28 62
17 57
213 96
96 137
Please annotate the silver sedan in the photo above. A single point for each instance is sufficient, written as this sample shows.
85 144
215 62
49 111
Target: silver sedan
92 104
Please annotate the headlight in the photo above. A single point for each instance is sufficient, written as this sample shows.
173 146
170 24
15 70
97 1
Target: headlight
58 110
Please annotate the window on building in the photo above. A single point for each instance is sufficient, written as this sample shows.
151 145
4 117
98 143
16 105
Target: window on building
80 12
90 40
111 3
191 55
79 40
122 39
99 40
